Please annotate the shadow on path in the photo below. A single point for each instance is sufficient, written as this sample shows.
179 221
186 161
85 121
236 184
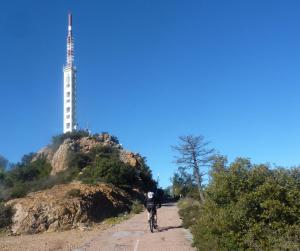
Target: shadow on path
168 205
162 229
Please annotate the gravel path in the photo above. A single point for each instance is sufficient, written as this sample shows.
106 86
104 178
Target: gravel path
134 234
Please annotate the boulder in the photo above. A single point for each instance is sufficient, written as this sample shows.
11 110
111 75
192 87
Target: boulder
60 159
86 144
130 158
66 206
46 152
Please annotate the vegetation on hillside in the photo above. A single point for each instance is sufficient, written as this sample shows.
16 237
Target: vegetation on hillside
6 214
247 207
25 176
57 140
101 164
76 135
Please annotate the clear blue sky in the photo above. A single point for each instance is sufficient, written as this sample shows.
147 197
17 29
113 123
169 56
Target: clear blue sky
149 71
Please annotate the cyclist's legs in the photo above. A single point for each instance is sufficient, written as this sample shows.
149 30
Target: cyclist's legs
148 212
155 215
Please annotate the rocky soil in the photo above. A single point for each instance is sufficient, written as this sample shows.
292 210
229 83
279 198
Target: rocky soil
67 206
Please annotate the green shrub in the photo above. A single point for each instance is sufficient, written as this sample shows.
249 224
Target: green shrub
137 207
3 163
116 220
74 193
22 189
145 180
247 207
25 177
19 190
28 171
111 171
6 214
78 160
189 210
104 165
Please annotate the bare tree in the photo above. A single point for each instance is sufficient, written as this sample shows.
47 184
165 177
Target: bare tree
194 154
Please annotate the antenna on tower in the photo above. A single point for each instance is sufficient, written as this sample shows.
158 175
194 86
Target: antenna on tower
87 128
70 42
70 21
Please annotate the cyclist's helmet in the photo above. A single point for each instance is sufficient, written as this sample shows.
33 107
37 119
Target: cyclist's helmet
150 195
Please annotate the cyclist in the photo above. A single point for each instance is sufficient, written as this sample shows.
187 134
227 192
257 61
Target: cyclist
151 202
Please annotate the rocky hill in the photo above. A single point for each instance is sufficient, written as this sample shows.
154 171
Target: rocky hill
59 156
77 179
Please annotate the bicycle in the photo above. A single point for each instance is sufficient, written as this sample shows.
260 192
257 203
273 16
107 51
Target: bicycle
152 221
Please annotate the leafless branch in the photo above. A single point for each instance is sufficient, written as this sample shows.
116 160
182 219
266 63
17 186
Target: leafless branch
194 153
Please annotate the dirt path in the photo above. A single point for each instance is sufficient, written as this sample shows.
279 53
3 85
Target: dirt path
134 234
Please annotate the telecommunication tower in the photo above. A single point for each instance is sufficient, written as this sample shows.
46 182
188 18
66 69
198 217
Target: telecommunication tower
70 71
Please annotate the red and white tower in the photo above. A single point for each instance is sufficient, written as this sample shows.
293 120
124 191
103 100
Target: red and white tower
69 70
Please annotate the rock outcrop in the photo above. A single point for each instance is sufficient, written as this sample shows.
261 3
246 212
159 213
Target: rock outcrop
66 206
130 158
58 157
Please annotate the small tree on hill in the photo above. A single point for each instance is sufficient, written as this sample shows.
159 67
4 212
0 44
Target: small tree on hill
194 154
3 163
183 182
